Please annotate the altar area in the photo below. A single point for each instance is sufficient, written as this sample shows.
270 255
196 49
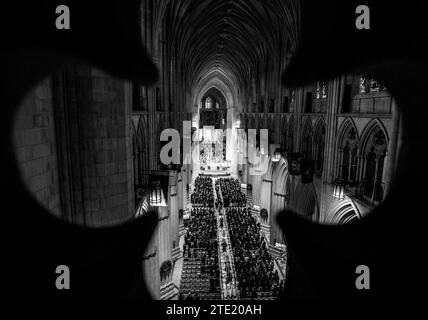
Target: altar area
212 153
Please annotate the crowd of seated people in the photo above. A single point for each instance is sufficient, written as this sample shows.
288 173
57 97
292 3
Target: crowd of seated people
231 192
200 278
203 192
253 264
202 231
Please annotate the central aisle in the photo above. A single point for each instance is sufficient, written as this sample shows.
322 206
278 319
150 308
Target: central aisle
225 254
229 284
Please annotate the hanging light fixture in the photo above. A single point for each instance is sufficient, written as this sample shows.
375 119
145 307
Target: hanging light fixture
339 189
157 198
276 156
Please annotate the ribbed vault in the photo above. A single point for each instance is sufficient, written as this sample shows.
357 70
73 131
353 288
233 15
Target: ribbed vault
227 44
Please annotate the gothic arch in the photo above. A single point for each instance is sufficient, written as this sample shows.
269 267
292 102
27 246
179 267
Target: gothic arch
280 190
215 81
320 122
347 151
142 133
344 128
290 135
279 175
343 213
319 144
141 154
269 172
374 147
307 138
368 132
283 132
304 200
272 130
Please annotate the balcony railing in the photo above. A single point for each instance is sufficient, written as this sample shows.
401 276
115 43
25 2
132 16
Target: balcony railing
372 193
372 105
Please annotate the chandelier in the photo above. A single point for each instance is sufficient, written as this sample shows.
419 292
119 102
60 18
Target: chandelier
157 198
339 189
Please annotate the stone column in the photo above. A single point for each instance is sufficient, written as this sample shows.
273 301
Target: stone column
265 203
333 103
277 205
375 180
173 213
299 108
339 167
151 266
164 236
393 148
363 167
332 159
257 184
357 173
349 165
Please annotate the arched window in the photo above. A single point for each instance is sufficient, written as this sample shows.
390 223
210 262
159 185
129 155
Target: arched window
209 103
290 136
324 89
363 84
348 155
319 147
318 95
307 141
283 133
374 155
140 155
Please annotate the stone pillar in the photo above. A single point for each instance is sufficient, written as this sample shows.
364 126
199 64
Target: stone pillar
180 191
333 103
257 186
393 148
363 167
357 173
332 159
35 133
265 203
96 140
277 205
182 200
151 266
299 109
339 166
173 214
349 165
164 236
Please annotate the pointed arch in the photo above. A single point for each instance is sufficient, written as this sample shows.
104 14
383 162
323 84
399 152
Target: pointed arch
290 135
347 150
142 160
272 129
280 190
344 212
319 145
319 123
370 130
374 147
304 200
283 132
307 138
347 126
269 171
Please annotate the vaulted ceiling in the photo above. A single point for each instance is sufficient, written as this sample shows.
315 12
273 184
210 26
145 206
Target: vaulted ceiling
227 43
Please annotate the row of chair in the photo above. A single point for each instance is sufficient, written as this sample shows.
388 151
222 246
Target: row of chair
193 280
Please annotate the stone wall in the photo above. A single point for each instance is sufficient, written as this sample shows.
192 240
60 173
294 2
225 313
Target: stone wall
104 139
35 143
73 141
